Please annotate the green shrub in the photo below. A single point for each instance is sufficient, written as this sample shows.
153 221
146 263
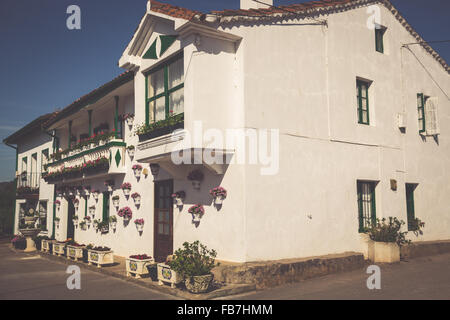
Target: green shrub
388 231
194 259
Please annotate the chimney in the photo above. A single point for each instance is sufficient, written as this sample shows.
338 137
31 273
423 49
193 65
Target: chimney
250 4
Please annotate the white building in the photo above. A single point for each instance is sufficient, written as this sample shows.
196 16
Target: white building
340 156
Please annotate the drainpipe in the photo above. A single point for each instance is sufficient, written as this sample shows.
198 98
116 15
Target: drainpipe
15 185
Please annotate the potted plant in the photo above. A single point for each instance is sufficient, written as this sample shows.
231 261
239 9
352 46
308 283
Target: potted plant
128 118
19 242
83 225
178 198
166 274
87 219
109 185
386 238
96 223
103 226
92 210
139 224
75 221
100 256
59 192
219 194
57 222
87 191
113 222
137 199
137 169
131 150
74 250
46 244
125 213
196 176
194 263
197 212
59 248
95 194
116 200
57 204
70 192
139 265
76 204
126 187
78 191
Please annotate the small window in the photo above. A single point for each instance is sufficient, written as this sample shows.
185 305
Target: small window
411 215
362 94
421 111
379 34
427 115
366 204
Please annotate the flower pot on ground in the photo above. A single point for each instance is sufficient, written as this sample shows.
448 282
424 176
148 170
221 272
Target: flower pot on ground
126 188
113 222
46 245
197 212
219 194
196 177
194 263
137 199
386 238
100 256
167 275
116 201
58 248
74 251
178 198
138 265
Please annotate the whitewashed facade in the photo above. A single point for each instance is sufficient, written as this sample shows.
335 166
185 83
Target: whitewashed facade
296 73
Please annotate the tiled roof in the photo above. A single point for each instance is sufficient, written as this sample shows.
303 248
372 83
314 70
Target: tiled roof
313 8
91 96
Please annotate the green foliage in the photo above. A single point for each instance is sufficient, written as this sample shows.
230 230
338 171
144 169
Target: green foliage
388 230
169 122
194 259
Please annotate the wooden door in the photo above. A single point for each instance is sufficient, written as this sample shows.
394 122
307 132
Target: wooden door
163 220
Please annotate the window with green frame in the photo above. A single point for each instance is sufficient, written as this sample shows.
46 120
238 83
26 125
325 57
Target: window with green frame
362 94
421 111
164 90
410 211
379 34
366 204
105 215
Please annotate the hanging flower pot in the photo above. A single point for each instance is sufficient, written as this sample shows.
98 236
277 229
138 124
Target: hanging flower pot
154 168
95 194
197 212
78 192
70 192
219 194
178 198
83 225
75 221
128 118
87 191
57 220
113 222
76 204
125 213
139 224
137 199
137 168
130 121
59 192
116 200
87 220
57 204
96 223
109 185
196 177
126 187
131 151
92 211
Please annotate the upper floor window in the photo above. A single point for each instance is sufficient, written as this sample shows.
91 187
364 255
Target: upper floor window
379 35
165 90
427 115
362 94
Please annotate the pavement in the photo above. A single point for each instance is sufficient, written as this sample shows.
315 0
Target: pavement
426 278
28 276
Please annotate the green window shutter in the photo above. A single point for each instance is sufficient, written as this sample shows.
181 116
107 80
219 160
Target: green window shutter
366 204
106 206
151 52
362 91
421 112
166 42
410 205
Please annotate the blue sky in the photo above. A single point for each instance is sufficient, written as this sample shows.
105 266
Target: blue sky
45 66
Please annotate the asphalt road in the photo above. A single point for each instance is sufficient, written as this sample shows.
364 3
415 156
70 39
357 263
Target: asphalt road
425 278
28 276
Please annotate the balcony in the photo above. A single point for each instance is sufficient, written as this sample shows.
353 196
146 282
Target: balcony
28 185
90 161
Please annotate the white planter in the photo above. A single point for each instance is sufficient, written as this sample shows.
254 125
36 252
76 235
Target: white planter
58 249
74 252
218 200
196 184
137 201
138 267
196 217
100 258
140 227
167 275
45 245
137 173
384 252
116 203
131 153
126 192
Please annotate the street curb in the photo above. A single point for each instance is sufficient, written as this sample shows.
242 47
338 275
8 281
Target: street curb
221 292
